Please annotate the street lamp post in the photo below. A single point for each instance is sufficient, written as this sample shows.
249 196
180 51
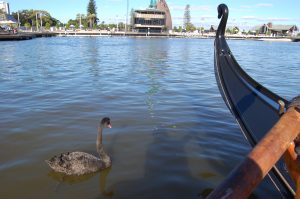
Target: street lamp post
41 20
117 23
80 21
36 22
18 20
126 16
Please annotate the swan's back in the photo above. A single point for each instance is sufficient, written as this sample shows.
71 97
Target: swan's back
78 163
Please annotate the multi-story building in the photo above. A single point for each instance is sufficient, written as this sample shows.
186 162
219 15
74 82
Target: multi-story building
163 6
156 18
149 20
4 7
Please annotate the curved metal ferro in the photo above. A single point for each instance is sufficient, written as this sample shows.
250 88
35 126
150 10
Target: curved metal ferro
222 12
254 106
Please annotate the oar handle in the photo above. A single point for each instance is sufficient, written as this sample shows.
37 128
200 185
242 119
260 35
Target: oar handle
245 177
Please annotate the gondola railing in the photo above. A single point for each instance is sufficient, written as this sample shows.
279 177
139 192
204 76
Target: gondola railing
271 132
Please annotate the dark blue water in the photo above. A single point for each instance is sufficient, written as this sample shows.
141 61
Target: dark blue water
172 135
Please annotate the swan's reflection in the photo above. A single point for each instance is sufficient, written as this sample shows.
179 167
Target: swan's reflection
74 179
102 183
70 179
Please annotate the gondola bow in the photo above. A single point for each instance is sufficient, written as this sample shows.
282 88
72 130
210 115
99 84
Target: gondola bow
255 108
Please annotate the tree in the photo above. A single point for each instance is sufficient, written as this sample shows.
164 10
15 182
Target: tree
92 20
186 16
121 26
27 25
175 29
180 29
228 30
190 27
103 26
235 30
202 30
29 16
92 13
47 26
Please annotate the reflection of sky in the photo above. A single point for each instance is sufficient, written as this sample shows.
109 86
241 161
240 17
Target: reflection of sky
151 59
64 99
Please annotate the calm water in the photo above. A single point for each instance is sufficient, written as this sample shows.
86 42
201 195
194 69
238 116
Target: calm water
172 135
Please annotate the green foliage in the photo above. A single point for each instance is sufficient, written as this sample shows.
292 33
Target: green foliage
235 30
29 16
298 35
47 26
190 27
228 30
27 25
91 9
92 13
103 26
180 29
175 29
76 22
186 16
92 18
121 26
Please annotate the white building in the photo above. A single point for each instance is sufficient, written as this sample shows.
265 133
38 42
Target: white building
4 7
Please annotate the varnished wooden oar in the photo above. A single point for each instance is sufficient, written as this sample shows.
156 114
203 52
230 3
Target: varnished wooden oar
292 162
244 178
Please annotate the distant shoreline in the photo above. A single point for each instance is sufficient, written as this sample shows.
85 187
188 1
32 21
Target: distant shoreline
95 33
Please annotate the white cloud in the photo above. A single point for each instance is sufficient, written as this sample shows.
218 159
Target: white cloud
206 17
201 8
259 19
264 5
192 8
249 17
180 8
279 19
259 5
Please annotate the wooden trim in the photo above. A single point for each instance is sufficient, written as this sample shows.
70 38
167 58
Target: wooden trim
245 177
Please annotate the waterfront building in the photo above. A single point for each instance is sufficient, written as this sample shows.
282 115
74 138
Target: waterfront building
213 29
5 17
163 6
155 19
4 7
276 30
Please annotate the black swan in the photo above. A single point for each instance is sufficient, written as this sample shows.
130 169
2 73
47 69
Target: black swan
78 163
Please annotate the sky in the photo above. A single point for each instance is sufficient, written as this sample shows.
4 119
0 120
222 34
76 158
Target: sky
242 13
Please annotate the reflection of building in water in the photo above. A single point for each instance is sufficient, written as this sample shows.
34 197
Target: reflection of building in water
156 18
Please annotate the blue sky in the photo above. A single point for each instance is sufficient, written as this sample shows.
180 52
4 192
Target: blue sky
246 13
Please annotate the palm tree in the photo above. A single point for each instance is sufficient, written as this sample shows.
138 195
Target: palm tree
92 19
92 13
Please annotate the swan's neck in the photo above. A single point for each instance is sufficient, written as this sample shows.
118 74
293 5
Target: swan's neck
99 139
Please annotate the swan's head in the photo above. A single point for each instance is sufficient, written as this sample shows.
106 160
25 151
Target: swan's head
105 122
